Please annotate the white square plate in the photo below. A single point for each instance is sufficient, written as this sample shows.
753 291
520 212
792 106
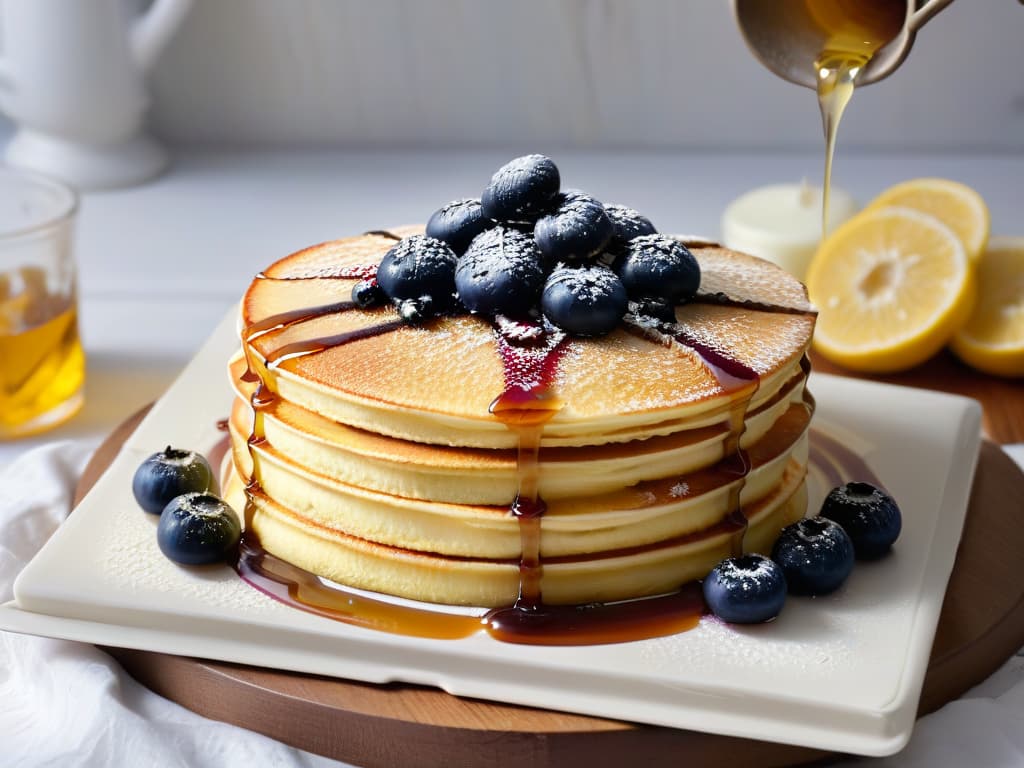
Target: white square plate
842 672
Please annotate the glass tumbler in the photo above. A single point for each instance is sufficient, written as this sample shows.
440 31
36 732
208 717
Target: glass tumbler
42 366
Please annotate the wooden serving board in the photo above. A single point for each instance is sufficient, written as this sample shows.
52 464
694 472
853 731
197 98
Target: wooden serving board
982 624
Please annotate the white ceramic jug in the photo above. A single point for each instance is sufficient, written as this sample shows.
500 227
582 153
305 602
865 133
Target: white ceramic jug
72 78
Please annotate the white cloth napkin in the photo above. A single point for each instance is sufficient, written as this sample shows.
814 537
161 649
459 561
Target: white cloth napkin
68 704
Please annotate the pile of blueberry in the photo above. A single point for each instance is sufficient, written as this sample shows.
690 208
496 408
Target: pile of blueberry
196 526
525 248
813 556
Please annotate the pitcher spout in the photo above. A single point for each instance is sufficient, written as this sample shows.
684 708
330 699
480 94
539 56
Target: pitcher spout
153 30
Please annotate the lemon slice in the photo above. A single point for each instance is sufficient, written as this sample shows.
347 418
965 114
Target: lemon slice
993 338
954 204
891 286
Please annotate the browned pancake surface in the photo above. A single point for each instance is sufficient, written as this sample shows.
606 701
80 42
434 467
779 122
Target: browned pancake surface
451 366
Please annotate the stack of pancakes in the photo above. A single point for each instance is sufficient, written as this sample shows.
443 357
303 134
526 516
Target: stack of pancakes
378 463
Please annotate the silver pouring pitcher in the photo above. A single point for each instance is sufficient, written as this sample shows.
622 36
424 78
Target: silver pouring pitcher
777 34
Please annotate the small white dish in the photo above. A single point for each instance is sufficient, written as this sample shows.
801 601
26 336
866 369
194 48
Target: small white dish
842 672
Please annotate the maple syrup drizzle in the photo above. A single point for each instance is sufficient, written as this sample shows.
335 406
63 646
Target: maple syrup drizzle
323 343
303 590
383 233
264 395
539 624
720 299
529 356
284 320
744 381
736 379
599 623
356 272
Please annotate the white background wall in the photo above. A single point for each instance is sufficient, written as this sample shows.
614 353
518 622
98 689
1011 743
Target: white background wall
546 73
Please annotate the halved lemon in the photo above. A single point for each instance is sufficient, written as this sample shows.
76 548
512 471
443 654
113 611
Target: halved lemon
993 338
892 286
954 204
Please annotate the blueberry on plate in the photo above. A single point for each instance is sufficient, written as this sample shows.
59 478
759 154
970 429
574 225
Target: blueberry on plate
584 301
658 267
198 529
745 590
815 554
577 230
500 273
627 224
457 223
416 268
522 189
167 474
869 515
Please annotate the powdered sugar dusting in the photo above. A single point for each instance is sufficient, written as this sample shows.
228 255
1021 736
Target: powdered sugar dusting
679 490
747 278
589 284
529 370
519 333
780 644
328 271
180 459
133 563
661 251
502 249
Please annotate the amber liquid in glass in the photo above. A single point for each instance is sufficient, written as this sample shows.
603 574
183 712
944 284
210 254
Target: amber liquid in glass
42 366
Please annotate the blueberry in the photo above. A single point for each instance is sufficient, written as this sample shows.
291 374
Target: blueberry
367 293
500 273
416 311
659 309
868 515
584 301
745 590
815 554
198 528
167 474
521 190
577 230
457 223
658 267
416 267
627 224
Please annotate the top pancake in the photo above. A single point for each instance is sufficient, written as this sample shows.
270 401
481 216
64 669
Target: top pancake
435 383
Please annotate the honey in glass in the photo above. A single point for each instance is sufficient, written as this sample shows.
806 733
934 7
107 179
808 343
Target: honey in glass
42 366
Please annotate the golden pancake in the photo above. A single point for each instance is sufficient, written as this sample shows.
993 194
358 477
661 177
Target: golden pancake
471 475
615 575
435 383
377 455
